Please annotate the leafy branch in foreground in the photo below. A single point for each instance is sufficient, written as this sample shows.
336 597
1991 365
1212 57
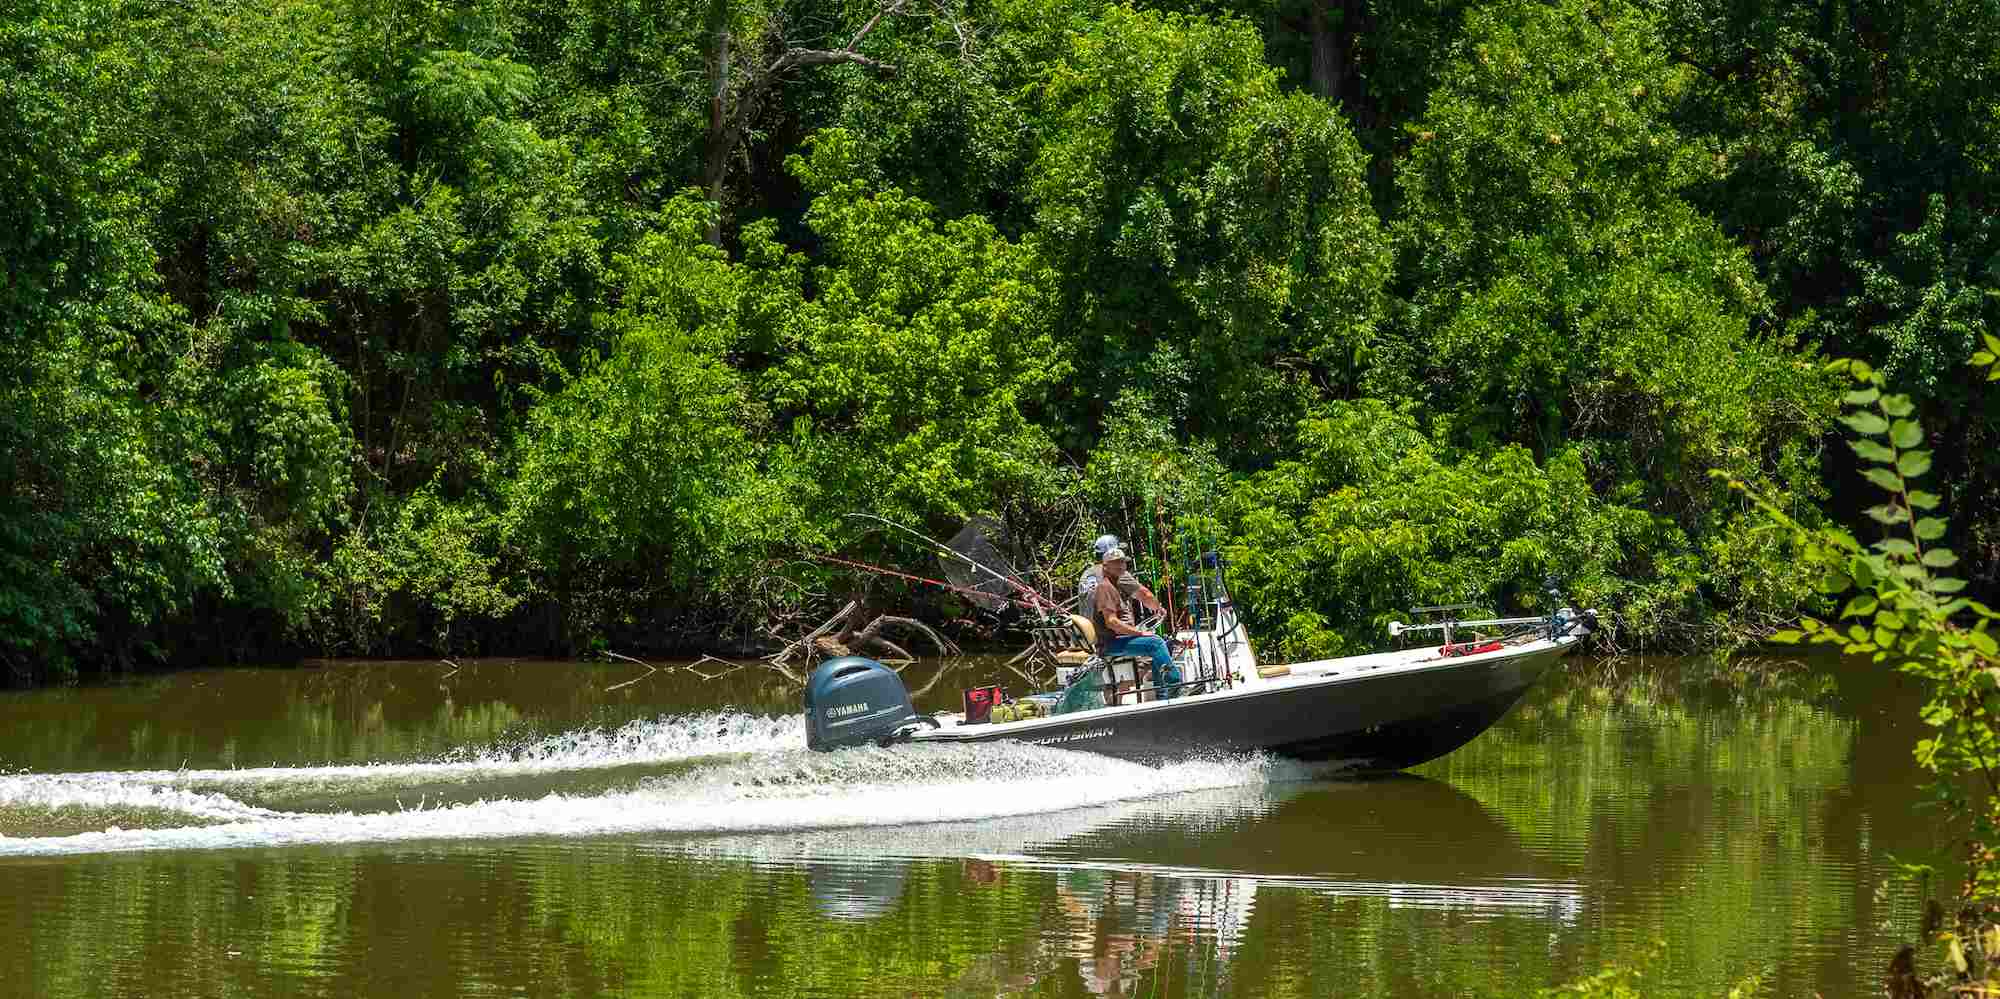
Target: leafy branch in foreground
1905 612
1989 358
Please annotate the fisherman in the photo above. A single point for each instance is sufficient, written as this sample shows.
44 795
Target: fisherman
1117 635
1085 585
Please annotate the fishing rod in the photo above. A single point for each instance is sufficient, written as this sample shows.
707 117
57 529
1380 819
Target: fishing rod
882 571
1035 599
1191 569
1166 561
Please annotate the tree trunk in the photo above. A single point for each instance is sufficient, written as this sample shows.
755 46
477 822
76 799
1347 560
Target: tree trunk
715 169
1326 68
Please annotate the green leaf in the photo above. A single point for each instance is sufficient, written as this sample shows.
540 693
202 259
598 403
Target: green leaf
1896 546
1984 643
1872 451
1947 585
1832 582
1993 375
1787 637
1865 422
1930 528
1906 433
1980 359
1940 558
1898 405
1992 342
1862 397
1861 370
1838 364
1914 463
1860 606
1923 500
1862 568
1888 513
1884 478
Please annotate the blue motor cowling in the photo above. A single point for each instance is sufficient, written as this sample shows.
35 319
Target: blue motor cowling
853 701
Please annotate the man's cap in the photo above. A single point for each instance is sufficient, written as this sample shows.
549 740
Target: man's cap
1105 542
1115 555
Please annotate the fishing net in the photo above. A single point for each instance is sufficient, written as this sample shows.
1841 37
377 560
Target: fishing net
982 571
1085 692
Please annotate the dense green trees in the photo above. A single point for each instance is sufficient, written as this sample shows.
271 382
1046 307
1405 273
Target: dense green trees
360 325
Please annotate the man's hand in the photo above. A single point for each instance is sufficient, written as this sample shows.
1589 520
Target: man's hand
1150 602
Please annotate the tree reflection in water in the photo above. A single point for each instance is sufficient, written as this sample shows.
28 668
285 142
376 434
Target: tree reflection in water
1745 825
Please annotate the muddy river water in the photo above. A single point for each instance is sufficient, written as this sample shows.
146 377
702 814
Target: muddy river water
529 828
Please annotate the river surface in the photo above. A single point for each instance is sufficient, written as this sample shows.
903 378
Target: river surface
530 828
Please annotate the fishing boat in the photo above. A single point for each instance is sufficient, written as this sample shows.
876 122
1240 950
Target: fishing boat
1383 711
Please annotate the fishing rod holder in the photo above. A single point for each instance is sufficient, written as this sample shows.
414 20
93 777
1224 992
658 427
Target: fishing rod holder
1558 621
1397 629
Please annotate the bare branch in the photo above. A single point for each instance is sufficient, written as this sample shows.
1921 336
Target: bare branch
872 633
1030 680
806 644
650 670
886 11
730 667
900 652
950 666
798 58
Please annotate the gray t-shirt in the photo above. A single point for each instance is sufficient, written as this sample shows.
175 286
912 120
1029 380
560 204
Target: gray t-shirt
1086 586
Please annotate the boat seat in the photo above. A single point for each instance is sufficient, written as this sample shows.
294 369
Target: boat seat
1068 633
1071 640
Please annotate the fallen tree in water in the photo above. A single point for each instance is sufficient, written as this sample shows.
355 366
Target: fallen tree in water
839 635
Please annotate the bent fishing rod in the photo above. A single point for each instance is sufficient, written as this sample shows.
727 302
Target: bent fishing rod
940 584
1035 600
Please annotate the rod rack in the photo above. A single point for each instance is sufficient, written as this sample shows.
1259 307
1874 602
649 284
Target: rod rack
1397 628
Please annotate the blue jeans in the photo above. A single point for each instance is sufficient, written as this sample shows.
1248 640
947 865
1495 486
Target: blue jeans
1165 673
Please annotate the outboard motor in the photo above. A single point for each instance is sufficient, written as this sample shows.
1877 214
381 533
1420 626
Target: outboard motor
853 700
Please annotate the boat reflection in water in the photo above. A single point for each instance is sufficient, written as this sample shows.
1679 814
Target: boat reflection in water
1176 881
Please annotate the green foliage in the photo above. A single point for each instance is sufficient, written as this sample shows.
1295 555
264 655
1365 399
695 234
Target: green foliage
1563 285
1904 610
302 291
436 564
909 375
103 528
1214 234
639 475
1374 519
1989 358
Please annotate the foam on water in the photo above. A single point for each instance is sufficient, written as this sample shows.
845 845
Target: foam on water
647 741
780 786
67 792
